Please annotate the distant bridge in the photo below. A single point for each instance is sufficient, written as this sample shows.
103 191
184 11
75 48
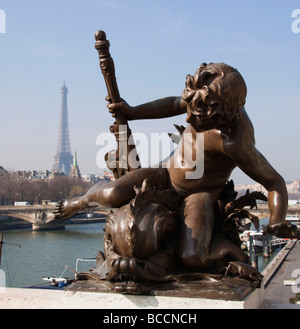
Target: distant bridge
38 216
41 217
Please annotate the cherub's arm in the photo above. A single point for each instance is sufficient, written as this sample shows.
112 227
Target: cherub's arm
256 166
161 108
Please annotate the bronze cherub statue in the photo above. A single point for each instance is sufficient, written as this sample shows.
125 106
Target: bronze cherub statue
192 234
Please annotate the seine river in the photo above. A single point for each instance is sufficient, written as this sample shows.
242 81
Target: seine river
45 253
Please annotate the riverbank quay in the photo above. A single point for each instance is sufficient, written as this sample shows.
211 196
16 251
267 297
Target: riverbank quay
282 280
262 210
272 293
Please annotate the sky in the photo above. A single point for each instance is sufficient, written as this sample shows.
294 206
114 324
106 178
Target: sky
154 44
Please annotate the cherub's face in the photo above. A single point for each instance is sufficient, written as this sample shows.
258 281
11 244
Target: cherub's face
205 115
214 94
204 109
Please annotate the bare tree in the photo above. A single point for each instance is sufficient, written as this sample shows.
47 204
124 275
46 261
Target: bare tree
14 189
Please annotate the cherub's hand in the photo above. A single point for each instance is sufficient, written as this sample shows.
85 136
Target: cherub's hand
282 230
123 106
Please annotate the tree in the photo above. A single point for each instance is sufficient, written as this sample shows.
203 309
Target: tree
14 189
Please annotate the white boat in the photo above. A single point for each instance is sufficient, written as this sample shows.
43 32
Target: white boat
257 240
294 219
62 280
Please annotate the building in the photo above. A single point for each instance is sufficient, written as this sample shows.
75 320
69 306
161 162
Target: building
63 158
242 188
55 173
293 189
294 186
75 172
91 178
2 171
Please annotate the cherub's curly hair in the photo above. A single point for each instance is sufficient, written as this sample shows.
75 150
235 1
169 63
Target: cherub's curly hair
219 85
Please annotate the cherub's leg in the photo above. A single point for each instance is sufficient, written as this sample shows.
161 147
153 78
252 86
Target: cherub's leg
223 251
199 249
113 194
197 229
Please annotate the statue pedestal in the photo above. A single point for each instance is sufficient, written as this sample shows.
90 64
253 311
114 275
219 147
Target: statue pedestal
107 303
226 289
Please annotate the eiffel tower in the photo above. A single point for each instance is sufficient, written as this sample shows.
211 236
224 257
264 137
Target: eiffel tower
63 158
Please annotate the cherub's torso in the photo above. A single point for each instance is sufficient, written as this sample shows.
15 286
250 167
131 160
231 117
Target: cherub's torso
197 166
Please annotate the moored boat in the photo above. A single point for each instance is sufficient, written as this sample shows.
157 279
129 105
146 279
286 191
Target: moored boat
294 219
257 240
62 280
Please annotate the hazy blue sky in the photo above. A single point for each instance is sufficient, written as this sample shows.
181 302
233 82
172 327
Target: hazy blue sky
154 43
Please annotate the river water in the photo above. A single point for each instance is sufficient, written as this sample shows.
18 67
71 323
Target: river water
45 253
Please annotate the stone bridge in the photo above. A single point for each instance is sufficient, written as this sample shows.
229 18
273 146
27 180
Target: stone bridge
40 217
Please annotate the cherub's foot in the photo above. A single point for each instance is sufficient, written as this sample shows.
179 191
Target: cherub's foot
244 271
67 208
